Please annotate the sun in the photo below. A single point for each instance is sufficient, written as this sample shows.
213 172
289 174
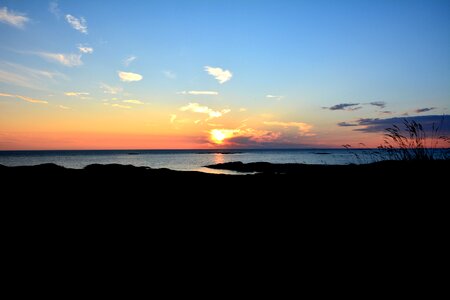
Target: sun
218 136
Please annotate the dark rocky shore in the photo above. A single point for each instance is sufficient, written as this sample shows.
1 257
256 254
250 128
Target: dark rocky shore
280 178
280 199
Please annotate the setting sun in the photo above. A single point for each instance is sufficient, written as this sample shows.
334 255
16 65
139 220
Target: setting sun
219 135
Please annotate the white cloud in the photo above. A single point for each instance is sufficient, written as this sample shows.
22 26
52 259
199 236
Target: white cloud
76 94
274 97
25 98
85 49
303 128
133 101
221 75
169 74
107 89
120 106
197 108
63 107
54 9
20 75
173 118
77 24
68 60
127 61
242 109
129 77
212 93
12 18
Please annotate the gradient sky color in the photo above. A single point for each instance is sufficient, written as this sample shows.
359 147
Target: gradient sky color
217 74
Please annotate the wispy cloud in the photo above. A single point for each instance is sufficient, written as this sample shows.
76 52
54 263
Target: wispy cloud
68 60
274 97
344 106
107 89
169 74
347 124
120 106
219 74
63 107
76 94
79 24
242 109
16 79
380 104
286 137
173 117
129 77
20 75
53 7
133 101
127 61
25 98
380 125
211 93
85 49
201 109
303 128
425 109
12 18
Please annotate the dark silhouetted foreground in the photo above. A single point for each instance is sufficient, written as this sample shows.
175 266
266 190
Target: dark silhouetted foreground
283 181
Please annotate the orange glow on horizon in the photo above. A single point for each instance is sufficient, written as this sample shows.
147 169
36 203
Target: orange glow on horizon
218 136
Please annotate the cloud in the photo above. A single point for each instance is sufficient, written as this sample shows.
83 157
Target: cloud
53 7
129 77
68 60
127 61
85 49
23 76
219 74
379 125
169 74
380 104
289 137
197 93
76 94
197 108
344 106
107 89
77 24
120 106
425 109
242 109
25 98
346 124
303 128
63 107
12 18
274 97
133 101
173 118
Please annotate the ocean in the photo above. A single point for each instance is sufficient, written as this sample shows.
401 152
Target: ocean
183 160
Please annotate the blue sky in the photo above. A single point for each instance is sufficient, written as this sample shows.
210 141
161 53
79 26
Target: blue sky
312 54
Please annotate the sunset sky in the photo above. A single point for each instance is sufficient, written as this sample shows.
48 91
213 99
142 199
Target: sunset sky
218 74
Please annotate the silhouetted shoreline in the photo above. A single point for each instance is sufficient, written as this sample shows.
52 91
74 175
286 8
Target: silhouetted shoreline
383 171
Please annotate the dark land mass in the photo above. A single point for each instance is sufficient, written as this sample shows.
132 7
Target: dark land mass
283 181
320 208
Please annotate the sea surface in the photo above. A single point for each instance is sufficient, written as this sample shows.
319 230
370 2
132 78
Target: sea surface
183 160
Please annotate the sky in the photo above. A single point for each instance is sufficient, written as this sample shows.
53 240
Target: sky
193 74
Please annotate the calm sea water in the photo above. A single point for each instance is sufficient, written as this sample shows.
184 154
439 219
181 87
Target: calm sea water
183 160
